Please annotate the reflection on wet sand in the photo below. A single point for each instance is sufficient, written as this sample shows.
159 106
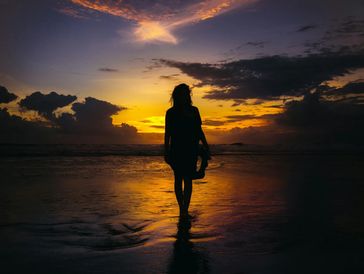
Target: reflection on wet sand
186 258
251 214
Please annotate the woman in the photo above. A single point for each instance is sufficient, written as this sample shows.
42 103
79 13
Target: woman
183 133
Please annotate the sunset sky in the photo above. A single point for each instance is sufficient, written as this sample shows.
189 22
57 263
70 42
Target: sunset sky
262 71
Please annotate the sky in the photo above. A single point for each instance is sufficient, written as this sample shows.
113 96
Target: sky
261 71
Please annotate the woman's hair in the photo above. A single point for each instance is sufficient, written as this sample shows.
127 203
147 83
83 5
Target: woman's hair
181 96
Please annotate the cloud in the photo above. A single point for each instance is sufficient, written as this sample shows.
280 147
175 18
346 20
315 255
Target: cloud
306 28
79 14
157 20
92 115
234 118
244 117
269 77
90 122
248 102
15 129
257 44
346 34
266 135
157 126
46 104
325 121
349 26
355 87
212 122
6 96
169 77
105 69
313 121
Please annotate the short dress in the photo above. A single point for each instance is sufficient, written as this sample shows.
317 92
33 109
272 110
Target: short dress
184 127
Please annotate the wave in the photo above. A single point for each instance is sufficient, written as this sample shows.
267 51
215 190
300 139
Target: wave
80 150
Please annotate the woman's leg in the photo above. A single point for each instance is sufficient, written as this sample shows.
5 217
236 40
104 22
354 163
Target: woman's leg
178 191
187 192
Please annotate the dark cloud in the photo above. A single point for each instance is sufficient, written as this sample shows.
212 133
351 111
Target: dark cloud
233 53
169 77
46 104
90 122
95 110
238 118
108 69
349 26
269 77
238 102
157 126
324 121
15 129
6 96
356 87
314 111
90 116
234 118
306 28
313 121
257 44
344 35
212 122
267 135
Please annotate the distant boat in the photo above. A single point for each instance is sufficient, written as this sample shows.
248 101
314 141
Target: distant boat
237 144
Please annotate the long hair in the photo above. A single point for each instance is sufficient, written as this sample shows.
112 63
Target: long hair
181 96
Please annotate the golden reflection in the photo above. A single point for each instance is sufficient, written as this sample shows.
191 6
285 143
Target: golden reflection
232 188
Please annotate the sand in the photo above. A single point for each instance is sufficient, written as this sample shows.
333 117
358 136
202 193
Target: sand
250 214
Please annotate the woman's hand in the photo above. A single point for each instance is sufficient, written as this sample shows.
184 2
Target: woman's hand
208 154
207 151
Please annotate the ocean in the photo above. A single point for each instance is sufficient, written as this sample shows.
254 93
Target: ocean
112 209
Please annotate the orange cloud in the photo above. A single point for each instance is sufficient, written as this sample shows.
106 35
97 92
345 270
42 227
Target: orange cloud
158 20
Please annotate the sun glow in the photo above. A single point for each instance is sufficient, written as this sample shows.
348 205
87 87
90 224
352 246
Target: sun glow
156 22
154 31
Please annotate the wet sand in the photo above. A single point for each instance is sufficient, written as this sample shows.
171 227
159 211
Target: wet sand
251 214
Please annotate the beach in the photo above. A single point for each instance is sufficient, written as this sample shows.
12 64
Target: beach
252 213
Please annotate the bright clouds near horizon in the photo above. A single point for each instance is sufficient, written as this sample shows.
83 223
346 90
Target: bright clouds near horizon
157 20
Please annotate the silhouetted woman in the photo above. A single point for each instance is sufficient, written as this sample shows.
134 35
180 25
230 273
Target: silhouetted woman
183 133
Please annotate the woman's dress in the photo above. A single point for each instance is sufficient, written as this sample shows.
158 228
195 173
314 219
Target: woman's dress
184 126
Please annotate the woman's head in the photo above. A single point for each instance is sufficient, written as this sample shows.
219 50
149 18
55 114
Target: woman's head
181 96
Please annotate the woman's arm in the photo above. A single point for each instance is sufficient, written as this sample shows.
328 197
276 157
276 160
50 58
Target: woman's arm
167 138
202 136
204 142
203 139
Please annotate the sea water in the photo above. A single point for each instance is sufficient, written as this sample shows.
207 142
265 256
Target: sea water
102 209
